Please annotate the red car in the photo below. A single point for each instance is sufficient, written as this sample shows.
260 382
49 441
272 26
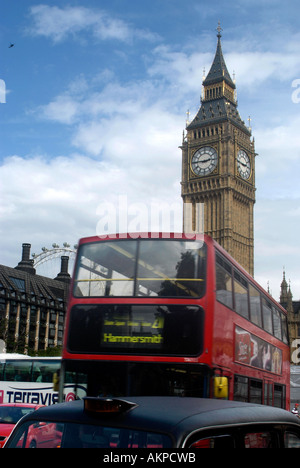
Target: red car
10 414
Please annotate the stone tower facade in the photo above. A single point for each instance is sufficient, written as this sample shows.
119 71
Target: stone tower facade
218 165
292 308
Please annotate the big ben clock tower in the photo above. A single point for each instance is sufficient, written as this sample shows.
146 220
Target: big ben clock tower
218 165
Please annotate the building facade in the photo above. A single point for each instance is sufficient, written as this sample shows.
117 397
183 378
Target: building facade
218 165
32 307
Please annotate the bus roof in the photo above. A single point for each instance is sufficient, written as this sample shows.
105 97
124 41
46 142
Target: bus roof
144 235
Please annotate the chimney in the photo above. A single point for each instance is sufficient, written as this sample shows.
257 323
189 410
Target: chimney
64 275
26 264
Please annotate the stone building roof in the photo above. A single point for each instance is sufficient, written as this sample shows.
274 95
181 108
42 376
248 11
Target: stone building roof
218 108
22 283
218 71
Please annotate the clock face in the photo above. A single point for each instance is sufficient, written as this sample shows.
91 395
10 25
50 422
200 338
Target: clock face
243 164
204 161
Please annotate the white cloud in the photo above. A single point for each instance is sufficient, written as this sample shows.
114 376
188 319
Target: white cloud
63 109
278 161
59 23
253 68
276 222
128 137
53 200
135 123
142 139
182 69
58 200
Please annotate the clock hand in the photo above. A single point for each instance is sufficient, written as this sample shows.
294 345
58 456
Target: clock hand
205 160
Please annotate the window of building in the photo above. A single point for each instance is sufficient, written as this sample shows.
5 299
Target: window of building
19 283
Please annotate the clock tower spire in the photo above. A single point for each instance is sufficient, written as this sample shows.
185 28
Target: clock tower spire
218 164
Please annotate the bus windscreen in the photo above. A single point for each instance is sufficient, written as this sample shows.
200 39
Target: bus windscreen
141 267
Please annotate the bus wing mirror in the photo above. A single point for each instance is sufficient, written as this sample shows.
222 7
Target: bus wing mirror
221 387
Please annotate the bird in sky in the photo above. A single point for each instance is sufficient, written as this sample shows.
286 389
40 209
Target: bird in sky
11 45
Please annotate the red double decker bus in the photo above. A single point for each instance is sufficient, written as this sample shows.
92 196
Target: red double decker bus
155 314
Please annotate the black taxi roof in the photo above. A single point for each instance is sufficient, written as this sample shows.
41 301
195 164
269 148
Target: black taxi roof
176 416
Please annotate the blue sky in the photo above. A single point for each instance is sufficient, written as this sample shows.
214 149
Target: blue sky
96 99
